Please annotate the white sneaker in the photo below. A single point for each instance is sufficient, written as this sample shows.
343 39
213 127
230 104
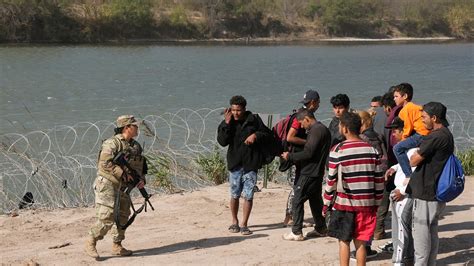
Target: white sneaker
292 237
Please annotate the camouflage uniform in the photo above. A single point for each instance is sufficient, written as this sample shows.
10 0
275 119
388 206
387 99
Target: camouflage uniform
109 182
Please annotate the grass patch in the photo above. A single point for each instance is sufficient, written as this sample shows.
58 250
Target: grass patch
213 166
159 170
467 160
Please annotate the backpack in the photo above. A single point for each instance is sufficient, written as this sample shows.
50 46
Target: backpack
269 145
280 132
451 181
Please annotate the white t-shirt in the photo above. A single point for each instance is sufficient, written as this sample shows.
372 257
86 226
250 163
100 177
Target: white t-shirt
400 180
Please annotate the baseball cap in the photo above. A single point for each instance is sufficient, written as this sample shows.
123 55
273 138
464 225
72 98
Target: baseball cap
125 120
309 96
437 109
396 123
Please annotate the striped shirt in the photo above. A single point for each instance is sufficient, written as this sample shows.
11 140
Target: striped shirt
362 177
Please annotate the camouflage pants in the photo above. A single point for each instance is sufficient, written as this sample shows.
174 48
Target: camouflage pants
105 193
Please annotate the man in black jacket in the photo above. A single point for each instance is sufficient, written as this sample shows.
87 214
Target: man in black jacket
242 131
340 104
308 187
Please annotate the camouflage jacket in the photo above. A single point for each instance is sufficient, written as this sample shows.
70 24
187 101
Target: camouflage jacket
111 147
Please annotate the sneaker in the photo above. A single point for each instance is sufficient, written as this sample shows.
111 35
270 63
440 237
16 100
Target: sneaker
387 247
317 233
292 237
370 253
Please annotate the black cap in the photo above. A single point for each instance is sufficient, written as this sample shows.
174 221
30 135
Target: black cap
437 109
309 96
396 123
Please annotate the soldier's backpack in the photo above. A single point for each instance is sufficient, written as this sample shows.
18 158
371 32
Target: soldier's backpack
451 181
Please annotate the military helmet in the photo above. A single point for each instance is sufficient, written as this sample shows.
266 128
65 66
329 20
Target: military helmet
125 120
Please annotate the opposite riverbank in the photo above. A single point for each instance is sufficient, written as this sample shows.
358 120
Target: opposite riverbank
73 21
191 228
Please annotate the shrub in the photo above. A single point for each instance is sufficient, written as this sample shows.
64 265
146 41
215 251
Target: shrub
129 18
313 11
424 18
39 20
349 17
467 160
460 19
213 166
159 170
178 17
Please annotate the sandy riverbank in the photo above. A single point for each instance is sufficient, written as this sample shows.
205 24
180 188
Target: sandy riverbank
191 228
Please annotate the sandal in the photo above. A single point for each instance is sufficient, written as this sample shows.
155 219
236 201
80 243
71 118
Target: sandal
245 231
234 228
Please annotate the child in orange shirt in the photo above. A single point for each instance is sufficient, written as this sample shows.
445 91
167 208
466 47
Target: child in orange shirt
413 130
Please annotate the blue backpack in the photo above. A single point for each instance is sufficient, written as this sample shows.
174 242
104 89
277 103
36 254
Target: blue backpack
451 180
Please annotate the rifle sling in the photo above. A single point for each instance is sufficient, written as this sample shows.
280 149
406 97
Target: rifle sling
117 211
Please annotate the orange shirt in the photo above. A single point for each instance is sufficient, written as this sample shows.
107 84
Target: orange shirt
411 116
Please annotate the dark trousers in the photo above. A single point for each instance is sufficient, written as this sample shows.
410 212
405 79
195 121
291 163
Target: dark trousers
289 202
307 188
382 212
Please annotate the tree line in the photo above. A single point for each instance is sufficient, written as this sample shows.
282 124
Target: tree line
75 21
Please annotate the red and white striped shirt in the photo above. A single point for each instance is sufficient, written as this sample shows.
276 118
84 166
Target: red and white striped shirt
362 177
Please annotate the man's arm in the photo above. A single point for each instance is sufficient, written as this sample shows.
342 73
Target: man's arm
109 149
309 148
379 182
293 139
331 182
224 134
416 159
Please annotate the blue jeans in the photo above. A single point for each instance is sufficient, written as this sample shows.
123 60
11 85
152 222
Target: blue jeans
242 183
400 150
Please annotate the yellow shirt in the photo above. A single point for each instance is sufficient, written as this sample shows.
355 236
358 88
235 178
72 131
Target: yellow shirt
411 116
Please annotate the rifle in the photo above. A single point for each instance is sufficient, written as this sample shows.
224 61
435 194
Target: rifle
121 160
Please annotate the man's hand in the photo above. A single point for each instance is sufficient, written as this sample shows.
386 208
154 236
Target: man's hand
251 139
227 115
285 156
397 195
389 173
325 210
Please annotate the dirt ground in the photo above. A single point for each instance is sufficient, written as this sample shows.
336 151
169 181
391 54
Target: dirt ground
191 228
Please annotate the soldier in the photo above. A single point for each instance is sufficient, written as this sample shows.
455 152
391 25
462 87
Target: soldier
111 179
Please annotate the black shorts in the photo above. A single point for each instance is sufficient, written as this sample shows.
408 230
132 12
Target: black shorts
341 225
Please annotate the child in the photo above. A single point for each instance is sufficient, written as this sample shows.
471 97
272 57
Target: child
413 129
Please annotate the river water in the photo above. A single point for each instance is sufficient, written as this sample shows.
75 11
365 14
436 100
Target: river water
46 92
46 86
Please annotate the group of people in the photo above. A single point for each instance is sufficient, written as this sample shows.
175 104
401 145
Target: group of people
350 171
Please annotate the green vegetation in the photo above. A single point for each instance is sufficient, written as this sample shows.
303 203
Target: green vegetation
103 20
213 166
159 170
467 160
